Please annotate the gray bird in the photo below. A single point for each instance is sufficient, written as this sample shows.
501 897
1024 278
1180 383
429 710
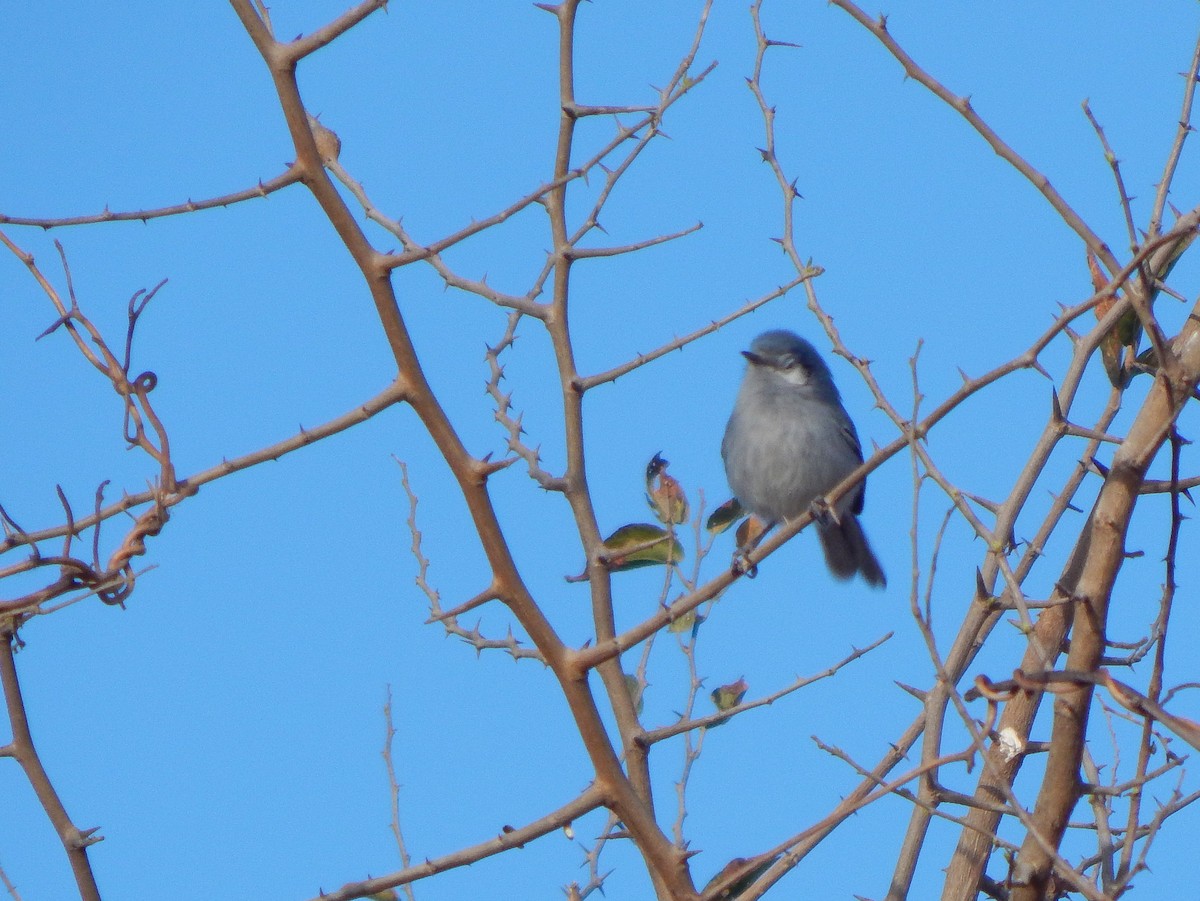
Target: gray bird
789 441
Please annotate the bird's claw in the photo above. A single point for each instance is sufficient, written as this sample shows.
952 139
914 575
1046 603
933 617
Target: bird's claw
741 565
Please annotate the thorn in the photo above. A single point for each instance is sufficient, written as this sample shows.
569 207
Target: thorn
981 589
915 692
487 467
60 321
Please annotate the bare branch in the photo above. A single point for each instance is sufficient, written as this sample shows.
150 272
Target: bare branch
962 105
1185 128
262 189
394 789
585 383
1115 165
74 840
393 394
302 47
585 253
653 736
509 838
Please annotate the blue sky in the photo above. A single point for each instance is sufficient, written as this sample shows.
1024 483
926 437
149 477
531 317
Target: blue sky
224 730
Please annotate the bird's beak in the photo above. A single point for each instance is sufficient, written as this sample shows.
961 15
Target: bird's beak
754 358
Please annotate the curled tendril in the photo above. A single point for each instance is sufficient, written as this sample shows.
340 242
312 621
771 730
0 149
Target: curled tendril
145 383
117 595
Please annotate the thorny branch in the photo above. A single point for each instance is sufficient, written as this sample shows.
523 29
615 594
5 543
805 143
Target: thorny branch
1151 265
114 580
263 189
394 789
75 841
1070 620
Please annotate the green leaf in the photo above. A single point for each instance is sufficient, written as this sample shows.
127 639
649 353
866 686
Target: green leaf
728 696
689 622
725 516
641 544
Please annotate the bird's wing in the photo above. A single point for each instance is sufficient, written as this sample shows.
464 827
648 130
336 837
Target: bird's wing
851 436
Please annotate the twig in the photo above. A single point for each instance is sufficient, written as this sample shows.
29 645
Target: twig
1184 129
394 788
503 402
262 189
74 840
687 724
391 395
296 50
585 383
509 838
449 619
962 105
9 886
1115 165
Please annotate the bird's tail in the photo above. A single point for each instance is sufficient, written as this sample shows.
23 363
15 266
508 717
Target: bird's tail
848 552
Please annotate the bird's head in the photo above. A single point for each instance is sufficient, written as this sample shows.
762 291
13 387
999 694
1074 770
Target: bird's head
784 355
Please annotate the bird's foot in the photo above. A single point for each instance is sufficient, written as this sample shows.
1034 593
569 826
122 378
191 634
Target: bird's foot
741 565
